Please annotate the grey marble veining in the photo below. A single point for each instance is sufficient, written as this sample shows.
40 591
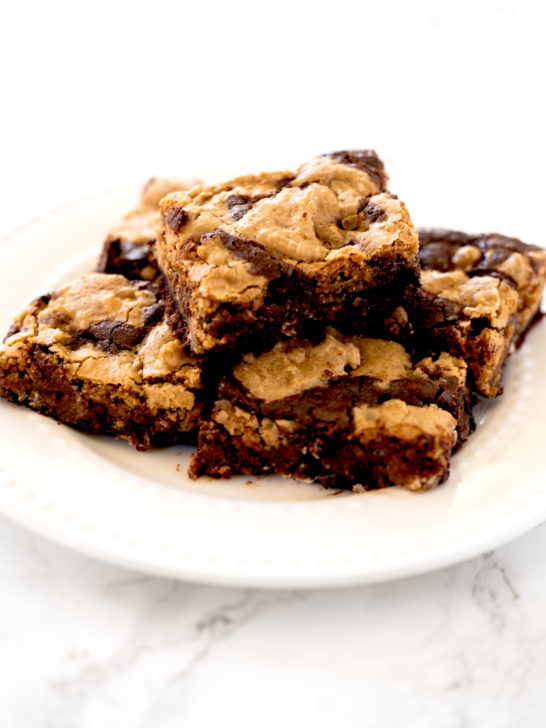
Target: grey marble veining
86 644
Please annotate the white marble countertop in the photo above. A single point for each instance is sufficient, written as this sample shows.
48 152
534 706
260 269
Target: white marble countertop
452 96
89 645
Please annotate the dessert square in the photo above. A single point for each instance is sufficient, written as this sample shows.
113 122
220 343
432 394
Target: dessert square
478 296
270 255
347 412
129 248
97 354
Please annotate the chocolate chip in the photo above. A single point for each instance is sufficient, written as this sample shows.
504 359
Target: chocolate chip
261 262
111 336
437 255
438 247
372 212
13 329
366 160
282 183
126 336
100 334
151 314
132 260
101 330
175 217
413 391
239 205
236 200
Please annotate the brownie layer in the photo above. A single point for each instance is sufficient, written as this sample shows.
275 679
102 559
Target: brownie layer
268 255
348 412
97 354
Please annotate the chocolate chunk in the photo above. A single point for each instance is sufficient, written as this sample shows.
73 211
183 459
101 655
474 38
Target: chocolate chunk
498 248
343 394
437 256
239 205
175 217
412 391
132 260
126 336
284 182
366 160
372 212
112 336
101 331
438 246
152 313
262 263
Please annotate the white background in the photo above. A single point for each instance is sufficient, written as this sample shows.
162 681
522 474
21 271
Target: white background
452 96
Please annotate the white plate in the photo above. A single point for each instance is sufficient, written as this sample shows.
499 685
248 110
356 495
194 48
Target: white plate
140 510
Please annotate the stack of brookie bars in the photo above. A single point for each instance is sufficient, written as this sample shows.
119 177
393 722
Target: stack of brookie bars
290 322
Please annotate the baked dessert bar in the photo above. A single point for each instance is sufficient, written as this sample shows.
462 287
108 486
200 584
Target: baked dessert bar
477 298
270 254
348 412
97 354
129 246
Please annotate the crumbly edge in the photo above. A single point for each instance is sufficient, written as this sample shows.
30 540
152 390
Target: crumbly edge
98 354
380 455
36 378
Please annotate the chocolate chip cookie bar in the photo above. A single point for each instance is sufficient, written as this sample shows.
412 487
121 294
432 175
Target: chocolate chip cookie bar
477 298
347 412
97 354
270 255
129 248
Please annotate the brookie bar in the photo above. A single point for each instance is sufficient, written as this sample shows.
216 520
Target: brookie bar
270 255
97 354
347 412
477 298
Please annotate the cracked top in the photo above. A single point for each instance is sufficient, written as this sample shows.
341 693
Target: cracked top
334 207
109 330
